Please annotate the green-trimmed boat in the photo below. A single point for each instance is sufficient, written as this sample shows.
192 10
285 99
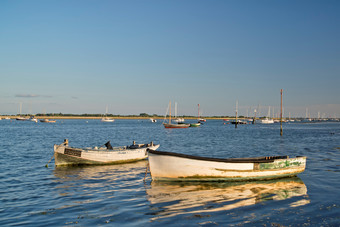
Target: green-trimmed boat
169 166
195 124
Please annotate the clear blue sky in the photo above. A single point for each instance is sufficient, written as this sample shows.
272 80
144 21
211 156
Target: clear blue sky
78 56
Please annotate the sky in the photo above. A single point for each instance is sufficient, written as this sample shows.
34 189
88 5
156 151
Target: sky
81 56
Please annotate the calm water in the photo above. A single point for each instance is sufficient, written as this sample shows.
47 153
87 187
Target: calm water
32 195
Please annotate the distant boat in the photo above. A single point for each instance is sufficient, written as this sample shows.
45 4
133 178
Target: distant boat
195 124
169 166
266 121
198 124
32 118
239 122
47 121
107 119
170 125
66 155
153 120
199 118
21 118
176 125
178 119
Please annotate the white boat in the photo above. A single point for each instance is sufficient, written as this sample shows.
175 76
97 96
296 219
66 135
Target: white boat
32 118
66 155
266 121
107 119
153 120
169 166
21 118
177 119
47 121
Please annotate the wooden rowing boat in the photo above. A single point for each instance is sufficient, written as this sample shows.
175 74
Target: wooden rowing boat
169 166
66 155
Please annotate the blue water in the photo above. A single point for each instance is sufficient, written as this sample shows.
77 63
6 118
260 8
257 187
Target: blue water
33 195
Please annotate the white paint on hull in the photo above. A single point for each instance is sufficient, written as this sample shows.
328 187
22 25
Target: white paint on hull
98 156
164 167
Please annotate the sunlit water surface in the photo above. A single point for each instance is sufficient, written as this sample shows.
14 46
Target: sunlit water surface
33 195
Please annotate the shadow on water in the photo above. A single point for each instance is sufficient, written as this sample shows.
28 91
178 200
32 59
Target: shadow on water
170 199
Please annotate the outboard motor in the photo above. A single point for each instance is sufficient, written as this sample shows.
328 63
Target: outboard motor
108 145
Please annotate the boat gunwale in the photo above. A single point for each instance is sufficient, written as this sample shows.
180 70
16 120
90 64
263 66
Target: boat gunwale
264 159
115 149
91 162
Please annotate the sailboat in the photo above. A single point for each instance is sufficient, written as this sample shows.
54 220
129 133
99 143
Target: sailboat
107 119
198 123
267 120
32 118
170 125
200 119
21 118
178 119
46 120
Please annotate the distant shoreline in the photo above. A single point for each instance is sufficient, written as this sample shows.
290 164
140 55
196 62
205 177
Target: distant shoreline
132 118
121 117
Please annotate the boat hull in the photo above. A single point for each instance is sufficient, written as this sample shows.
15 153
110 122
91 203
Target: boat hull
266 121
65 155
107 120
176 125
21 119
47 121
167 166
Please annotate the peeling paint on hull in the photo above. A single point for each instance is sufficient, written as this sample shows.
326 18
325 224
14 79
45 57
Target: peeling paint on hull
65 155
165 167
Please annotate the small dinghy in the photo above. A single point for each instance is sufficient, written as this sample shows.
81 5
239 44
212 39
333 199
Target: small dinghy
169 166
66 155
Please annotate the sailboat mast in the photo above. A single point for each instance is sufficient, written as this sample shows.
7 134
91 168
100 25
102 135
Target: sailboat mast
20 108
236 114
175 109
170 113
281 130
198 111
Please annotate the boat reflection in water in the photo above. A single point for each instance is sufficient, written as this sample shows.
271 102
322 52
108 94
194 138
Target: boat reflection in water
101 172
100 181
175 198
